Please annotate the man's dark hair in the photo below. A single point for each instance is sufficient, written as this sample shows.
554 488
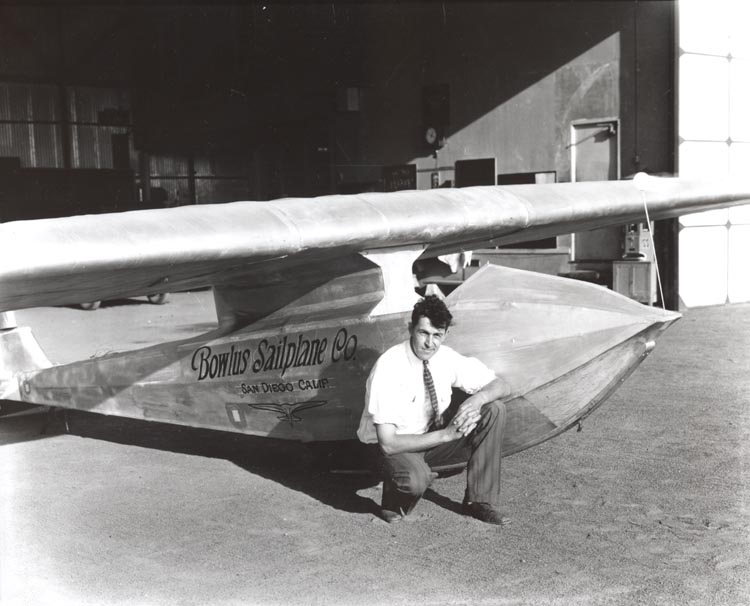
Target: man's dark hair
432 308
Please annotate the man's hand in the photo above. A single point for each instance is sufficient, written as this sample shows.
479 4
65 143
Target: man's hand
452 432
392 443
467 417
470 411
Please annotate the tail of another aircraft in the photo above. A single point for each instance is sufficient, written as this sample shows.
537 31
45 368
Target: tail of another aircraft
19 352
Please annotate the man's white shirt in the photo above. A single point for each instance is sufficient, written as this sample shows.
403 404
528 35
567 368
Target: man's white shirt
395 392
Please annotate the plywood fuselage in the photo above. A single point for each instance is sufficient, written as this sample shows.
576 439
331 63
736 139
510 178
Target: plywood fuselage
562 345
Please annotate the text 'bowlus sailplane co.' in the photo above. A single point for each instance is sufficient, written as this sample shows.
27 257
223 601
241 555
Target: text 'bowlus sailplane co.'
309 292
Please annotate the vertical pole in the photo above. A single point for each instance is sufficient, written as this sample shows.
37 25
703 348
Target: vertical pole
65 138
257 175
673 286
333 129
191 177
144 174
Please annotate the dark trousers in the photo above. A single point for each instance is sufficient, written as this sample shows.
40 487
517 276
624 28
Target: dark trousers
406 476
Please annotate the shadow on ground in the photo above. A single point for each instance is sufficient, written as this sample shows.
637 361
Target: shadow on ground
332 473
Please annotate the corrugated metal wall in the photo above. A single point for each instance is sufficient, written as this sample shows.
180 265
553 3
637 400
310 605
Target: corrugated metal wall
214 191
92 142
29 128
170 173
31 125
221 179
217 178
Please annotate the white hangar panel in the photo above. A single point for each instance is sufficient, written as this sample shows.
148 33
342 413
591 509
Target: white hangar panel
714 141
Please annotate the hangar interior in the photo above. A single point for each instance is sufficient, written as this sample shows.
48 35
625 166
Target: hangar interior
118 107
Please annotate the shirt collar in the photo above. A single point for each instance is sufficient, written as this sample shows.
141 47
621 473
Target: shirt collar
410 355
413 359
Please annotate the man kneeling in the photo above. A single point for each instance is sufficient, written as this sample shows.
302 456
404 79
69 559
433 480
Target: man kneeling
408 395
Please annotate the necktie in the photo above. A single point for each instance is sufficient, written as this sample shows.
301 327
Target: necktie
429 386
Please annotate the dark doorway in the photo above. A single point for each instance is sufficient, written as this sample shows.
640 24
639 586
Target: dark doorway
120 151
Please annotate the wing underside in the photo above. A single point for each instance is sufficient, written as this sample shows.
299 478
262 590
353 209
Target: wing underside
93 257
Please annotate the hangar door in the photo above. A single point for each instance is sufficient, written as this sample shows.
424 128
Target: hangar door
714 141
595 156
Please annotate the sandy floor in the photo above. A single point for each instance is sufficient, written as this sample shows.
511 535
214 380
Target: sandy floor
649 504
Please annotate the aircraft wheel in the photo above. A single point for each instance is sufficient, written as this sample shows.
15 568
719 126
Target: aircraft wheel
90 306
159 299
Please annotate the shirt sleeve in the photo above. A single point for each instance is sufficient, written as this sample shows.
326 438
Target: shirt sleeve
382 392
471 374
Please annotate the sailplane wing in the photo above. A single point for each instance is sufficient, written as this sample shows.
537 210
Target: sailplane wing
93 257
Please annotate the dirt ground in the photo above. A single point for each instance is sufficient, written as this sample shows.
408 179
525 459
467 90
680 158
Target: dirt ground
648 504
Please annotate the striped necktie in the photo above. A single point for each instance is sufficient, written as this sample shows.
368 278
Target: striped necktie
436 422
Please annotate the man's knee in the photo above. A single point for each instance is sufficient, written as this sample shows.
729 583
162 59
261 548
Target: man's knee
495 411
493 418
413 482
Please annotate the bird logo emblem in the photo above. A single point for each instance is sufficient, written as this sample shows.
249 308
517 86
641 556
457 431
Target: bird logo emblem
288 412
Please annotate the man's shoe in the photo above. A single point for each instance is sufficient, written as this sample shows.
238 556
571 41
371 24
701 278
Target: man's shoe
484 512
391 516
390 508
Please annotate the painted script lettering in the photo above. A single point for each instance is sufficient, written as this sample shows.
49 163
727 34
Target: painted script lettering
276 356
225 364
282 387
286 354
344 345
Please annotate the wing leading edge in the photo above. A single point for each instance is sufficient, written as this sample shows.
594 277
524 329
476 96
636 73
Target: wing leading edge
91 257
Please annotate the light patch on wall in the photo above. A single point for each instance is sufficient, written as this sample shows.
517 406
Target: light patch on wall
714 130
703 266
739 99
704 159
703 26
739 160
521 133
704 98
739 17
739 253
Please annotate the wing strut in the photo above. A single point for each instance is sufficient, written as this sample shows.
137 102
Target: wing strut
398 278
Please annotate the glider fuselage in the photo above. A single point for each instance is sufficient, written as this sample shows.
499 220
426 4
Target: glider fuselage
562 345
